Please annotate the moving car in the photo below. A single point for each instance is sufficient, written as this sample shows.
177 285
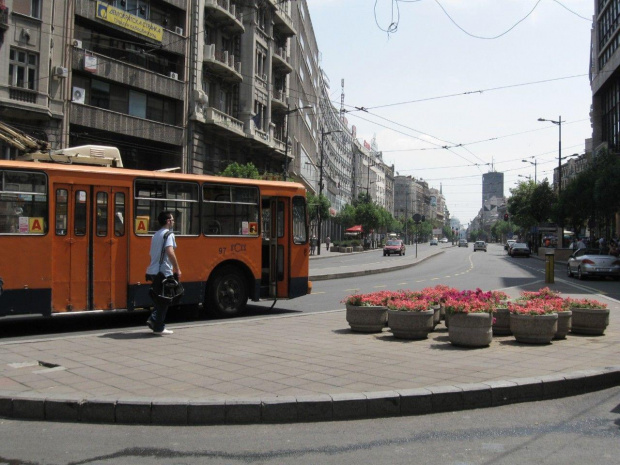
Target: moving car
508 243
480 245
462 242
434 241
394 246
443 240
519 248
593 262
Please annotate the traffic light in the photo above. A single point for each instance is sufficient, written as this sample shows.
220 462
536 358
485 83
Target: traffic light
505 216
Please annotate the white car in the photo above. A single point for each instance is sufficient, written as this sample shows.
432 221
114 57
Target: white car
444 240
480 245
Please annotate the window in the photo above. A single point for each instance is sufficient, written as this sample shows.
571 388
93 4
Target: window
300 232
155 196
261 18
100 94
23 69
102 214
229 210
261 62
28 7
62 208
23 202
260 112
119 214
137 104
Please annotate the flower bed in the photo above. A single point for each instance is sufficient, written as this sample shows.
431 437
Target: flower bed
543 303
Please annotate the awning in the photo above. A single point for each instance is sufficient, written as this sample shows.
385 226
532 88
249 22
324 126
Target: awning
354 229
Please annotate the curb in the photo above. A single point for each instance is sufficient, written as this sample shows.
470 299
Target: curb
308 408
352 274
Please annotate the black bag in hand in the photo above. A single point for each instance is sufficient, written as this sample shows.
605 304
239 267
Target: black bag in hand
166 290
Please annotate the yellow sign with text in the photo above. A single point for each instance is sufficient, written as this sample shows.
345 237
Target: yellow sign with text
128 21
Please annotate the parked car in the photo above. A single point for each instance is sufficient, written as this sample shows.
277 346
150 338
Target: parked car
593 262
480 245
434 241
394 246
444 240
519 248
508 243
462 242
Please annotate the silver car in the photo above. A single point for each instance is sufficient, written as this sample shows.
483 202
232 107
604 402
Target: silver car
480 245
591 262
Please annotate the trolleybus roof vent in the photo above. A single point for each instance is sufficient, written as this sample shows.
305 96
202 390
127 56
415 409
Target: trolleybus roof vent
83 155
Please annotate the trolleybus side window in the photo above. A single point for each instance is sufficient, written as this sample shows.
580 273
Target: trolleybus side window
230 210
102 214
155 195
80 212
119 214
62 208
23 202
300 233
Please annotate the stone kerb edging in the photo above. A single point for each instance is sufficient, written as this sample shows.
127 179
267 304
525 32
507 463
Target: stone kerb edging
320 407
352 274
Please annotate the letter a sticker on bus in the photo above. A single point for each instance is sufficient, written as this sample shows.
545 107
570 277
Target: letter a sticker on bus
35 225
142 224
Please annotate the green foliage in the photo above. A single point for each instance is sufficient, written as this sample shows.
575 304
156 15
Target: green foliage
367 214
235 170
316 205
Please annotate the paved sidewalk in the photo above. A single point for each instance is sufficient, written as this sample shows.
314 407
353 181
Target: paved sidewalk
306 367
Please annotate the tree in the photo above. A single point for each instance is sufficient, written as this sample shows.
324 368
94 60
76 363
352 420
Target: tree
235 170
367 214
318 205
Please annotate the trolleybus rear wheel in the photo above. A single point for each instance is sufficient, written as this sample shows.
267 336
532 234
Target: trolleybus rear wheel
227 293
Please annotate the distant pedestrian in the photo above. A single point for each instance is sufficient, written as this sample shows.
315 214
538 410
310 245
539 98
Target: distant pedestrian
312 244
164 263
581 244
327 241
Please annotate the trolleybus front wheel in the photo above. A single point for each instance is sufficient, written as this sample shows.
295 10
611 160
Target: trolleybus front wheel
227 293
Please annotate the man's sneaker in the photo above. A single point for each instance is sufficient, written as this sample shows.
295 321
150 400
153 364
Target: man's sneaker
149 323
163 331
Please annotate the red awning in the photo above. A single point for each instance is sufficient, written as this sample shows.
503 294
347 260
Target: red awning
355 229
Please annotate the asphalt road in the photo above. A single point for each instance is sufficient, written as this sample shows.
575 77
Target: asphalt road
457 267
569 431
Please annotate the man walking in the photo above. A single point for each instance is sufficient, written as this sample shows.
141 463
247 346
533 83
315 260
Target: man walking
327 241
164 261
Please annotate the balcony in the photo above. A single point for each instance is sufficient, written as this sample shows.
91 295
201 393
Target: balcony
4 19
225 15
224 124
282 21
130 75
119 123
23 95
221 63
278 99
280 60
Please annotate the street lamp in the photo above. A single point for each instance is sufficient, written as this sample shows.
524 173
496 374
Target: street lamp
318 212
286 113
525 176
535 169
558 123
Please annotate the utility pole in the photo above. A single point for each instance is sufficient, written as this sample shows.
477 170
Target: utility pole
318 209
286 113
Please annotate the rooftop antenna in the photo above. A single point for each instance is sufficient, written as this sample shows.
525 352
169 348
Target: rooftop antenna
342 99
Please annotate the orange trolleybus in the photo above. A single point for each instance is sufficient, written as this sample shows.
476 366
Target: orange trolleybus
76 238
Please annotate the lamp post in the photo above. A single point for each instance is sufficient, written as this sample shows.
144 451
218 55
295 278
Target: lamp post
318 210
535 169
286 113
558 123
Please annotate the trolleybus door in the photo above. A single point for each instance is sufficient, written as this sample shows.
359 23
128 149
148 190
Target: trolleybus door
89 251
279 243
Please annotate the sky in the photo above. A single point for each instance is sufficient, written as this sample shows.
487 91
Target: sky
456 88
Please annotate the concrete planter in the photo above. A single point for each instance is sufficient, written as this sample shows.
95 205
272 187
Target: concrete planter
501 326
471 329
366 319
358 248
436 314
534 329
564 324
411 325
590 321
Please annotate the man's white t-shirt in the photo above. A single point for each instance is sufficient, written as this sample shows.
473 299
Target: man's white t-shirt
157 243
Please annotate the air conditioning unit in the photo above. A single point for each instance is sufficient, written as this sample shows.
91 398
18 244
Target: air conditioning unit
78 95
173 75
76 43
60 72
178 30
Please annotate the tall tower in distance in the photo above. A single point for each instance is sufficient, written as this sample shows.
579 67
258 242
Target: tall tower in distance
492 185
